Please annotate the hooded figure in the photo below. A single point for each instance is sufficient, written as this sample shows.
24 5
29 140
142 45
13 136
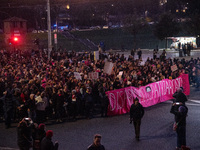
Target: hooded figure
180 119
180 96
47 143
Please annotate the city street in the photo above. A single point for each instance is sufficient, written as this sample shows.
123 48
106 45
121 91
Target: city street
117 133
68 63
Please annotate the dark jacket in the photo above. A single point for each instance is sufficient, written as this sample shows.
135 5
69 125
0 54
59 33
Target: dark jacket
8 102
24 135
40 134
180 97
31 105
47 144
88 98
180 117
103 98
136 112
60 99
93 147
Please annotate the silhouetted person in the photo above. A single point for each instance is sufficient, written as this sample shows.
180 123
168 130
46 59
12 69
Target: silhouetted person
180 119
136 114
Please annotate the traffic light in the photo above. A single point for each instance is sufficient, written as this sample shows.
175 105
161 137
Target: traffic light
15 39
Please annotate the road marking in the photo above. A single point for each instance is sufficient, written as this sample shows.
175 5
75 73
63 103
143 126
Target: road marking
197 102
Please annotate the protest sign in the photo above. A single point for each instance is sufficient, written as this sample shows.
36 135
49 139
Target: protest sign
96 55
120 75
108 67
93 75
174 68
77 76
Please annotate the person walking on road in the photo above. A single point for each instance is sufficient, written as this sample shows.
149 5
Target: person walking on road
136 114
96 145
180 119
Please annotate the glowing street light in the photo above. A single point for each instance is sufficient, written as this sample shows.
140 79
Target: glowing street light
68 7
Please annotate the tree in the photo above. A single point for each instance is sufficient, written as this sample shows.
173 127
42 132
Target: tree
133 24
193 6
166 27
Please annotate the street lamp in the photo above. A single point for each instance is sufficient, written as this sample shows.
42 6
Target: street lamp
68 7
49 29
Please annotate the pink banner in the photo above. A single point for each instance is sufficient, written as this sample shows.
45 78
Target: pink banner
121 100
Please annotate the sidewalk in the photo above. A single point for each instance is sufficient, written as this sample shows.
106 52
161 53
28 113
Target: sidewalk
194 54
149 53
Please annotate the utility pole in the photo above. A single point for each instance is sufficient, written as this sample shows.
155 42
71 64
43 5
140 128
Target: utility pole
49 29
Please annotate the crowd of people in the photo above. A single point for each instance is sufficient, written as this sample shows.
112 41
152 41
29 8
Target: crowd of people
30 134
31 85
186 49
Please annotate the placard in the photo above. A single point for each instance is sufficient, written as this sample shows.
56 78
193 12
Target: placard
77 76
174 68
108 67
93 75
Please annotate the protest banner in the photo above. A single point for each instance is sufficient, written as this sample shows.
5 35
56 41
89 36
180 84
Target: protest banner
77 76
108 68
121 100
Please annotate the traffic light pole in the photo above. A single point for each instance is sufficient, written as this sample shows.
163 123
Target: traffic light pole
49 29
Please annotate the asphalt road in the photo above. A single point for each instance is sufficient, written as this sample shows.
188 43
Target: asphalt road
118 134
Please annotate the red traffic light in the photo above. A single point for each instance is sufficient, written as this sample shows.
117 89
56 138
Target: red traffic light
16 39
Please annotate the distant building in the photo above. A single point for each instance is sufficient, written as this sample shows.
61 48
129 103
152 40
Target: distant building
15 27
184 40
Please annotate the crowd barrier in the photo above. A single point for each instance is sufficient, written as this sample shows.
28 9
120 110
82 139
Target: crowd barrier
121 100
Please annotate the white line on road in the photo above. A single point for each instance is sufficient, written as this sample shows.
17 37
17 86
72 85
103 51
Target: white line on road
196 101
189 100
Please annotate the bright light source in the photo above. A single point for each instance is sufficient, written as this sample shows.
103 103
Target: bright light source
68 7
16 39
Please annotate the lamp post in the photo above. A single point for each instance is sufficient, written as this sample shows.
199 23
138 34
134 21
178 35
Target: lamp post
49 29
